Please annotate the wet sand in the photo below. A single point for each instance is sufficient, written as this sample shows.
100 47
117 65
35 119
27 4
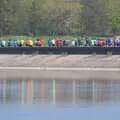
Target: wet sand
58 75
60 61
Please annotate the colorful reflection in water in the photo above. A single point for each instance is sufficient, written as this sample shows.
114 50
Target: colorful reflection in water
58 91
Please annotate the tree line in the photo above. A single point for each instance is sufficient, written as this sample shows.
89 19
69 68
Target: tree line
54 17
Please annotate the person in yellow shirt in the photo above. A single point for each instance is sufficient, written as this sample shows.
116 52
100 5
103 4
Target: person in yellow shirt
53 43
22 42
31 43
92 43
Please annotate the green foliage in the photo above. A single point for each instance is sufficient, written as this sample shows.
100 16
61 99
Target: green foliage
101 16
55 18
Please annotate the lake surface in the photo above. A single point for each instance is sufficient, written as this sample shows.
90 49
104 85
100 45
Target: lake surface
59 99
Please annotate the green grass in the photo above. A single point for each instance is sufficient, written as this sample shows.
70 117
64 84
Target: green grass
46 38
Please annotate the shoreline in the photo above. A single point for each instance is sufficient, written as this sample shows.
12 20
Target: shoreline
63 68
37 73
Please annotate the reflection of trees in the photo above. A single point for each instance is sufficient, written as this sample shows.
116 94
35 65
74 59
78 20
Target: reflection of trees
84 90
10 95
104 91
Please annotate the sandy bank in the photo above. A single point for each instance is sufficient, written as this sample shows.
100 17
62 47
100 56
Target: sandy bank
60 61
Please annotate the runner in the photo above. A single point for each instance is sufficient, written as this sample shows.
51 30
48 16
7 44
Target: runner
76 44
15 43
63 43
88 43
66 43
27 42
57 42
3 43
95 42
35 43
99 42
53 43
42 43
102 43
50 43
119 42
31 43
22 43
73 43
92 43
109 42
9 43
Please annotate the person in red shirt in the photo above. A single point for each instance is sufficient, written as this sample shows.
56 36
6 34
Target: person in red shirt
99 42
59 43
56 43
103 43
42 43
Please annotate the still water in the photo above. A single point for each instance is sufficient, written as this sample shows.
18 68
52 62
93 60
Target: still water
59 99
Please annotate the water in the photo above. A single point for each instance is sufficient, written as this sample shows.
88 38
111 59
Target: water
59 99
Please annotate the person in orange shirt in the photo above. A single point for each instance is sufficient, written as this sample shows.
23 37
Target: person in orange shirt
27 42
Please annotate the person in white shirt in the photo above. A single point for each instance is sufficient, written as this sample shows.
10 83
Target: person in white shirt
73 43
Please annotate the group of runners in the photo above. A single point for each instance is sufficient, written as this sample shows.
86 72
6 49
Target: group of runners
61 43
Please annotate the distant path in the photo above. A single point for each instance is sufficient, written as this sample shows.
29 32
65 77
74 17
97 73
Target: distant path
60 69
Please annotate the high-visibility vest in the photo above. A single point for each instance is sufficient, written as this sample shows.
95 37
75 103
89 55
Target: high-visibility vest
22 42
92 41
53 41
31 42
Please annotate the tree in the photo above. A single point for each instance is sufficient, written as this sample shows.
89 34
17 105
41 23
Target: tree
93 17
113 13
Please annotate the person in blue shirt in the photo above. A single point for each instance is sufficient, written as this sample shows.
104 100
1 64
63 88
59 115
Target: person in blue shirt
9 43
109 42
3 43
95 42
15 43
80 42
50 43
88 43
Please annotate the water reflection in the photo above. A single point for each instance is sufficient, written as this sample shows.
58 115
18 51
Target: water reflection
59 91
